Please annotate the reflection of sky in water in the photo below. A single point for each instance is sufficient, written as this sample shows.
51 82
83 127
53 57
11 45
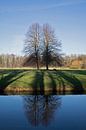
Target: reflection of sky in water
69 112
11 113
72 114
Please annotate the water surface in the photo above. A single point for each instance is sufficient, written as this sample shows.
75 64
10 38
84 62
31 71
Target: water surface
43 112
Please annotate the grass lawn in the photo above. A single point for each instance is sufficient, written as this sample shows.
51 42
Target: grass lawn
42 80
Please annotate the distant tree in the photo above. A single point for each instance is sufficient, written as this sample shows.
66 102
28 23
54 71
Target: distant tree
32 42
11 60
52 46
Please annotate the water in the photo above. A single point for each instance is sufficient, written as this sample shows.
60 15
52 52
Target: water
43 112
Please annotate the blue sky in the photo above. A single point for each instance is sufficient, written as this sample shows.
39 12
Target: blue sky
67 17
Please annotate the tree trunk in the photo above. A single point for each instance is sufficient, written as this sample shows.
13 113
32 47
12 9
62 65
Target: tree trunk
46 65
47 57
37 61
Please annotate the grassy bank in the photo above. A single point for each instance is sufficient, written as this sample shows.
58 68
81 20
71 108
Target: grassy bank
42 80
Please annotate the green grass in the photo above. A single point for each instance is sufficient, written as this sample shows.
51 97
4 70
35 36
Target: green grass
42 80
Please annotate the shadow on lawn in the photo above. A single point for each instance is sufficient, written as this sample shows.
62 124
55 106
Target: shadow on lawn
58 80
38 82
72 80
53 84
83 72
11 76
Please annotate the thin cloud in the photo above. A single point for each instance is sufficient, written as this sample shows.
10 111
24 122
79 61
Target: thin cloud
68 3
39 7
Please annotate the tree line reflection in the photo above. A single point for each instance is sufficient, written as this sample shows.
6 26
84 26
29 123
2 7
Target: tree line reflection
40 109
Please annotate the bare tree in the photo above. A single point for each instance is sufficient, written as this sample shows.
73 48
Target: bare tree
11 60
51 46
32 42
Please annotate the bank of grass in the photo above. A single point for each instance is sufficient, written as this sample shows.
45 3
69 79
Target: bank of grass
41 80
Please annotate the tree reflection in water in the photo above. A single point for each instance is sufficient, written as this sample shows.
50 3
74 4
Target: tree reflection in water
40 109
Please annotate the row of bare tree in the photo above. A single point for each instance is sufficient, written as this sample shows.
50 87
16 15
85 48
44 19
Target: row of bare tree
42 47
75 61
12 61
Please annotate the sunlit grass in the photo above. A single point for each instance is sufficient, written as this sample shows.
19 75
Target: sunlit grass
20 79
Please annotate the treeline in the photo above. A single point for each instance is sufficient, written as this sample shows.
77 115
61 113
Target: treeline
75 61
13 61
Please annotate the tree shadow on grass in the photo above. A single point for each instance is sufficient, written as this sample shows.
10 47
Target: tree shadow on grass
38 82
81 72
62 78
53 84
10 77
71 79
56 87
61 84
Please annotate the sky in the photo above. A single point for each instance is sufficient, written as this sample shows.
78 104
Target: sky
67 17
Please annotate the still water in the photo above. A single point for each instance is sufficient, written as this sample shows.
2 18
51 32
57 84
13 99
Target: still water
42 112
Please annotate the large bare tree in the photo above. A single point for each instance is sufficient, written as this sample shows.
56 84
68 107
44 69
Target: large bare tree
32 42
51 46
